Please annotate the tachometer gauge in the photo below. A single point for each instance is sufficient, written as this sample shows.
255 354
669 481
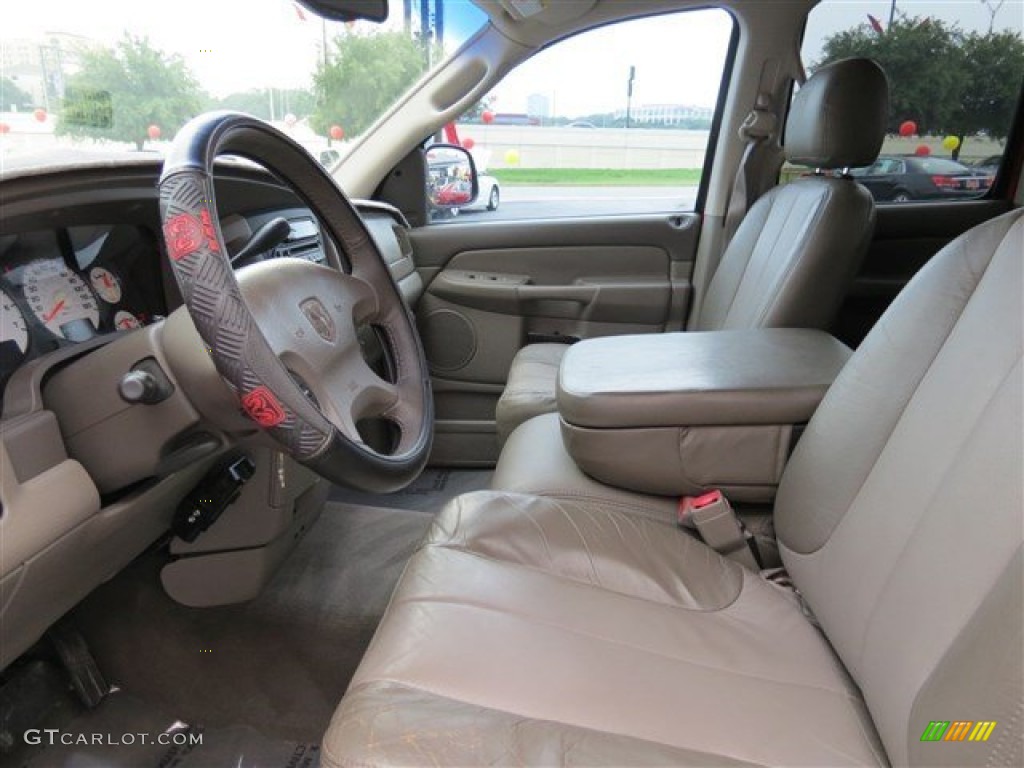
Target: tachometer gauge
126 321
59 297
13 331
106 284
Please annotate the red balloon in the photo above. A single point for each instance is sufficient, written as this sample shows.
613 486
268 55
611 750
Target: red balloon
487 116
908 128
468 142
40 115
337 133
922 151
4 128
153 132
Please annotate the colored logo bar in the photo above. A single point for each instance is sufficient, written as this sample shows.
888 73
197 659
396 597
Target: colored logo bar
958 730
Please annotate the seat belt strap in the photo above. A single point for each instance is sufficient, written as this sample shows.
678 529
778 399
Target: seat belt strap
757 130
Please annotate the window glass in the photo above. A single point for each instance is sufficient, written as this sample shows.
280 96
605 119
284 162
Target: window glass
612 121
126 75
955 70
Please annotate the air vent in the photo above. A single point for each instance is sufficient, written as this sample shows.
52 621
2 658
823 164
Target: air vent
308 248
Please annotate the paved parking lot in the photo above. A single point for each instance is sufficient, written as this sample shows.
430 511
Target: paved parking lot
528 202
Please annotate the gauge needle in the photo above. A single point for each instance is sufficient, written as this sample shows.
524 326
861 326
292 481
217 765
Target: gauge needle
54 312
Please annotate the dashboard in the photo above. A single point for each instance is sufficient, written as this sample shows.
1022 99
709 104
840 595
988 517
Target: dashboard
81 264
69 284
91 476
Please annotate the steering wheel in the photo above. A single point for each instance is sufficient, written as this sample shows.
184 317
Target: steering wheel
285 333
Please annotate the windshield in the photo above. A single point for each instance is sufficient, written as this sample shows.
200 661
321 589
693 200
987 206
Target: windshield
126 75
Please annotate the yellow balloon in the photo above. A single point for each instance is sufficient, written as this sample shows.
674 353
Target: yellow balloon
950 143
512 157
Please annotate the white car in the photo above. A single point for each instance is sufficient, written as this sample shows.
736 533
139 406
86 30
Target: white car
489 197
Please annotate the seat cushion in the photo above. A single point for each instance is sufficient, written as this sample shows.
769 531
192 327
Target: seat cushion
535 461
533 630
531 388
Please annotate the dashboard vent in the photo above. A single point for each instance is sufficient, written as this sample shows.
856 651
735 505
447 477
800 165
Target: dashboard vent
302 243
308 249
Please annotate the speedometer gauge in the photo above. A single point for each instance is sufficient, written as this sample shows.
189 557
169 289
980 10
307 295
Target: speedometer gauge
59 297
12 326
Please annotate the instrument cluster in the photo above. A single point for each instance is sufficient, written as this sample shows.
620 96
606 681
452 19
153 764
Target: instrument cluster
67 285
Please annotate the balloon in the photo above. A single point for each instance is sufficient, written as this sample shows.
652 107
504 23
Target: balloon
951 143
4 128
922 151
337 133
40 115
908 128
468 142
512 157
290 119
153 131
487 116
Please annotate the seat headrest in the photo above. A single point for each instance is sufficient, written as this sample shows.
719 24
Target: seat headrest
838 117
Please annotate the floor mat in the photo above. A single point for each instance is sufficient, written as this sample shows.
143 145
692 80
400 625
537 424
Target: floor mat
431 490
279 663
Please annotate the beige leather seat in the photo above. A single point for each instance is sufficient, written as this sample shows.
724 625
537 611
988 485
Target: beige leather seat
794 254
532 630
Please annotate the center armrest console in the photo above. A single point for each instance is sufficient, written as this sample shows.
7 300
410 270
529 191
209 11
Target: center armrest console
678 413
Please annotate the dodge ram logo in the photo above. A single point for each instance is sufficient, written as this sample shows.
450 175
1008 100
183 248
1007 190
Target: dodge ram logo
319 318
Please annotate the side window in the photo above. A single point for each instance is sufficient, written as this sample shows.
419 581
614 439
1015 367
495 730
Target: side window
615 120
955 73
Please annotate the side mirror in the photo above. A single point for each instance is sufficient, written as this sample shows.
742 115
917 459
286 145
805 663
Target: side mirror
451 177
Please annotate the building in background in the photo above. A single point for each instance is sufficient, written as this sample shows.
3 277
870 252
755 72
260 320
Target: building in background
670 115
538 105
42 65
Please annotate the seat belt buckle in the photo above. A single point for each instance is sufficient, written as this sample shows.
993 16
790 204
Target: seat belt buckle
688 505
713 517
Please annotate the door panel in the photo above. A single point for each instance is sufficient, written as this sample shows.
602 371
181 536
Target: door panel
906 236
494 287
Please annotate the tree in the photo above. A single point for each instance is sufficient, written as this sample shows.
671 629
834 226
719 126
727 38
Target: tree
993 66
946 81
922 59
363 77
475 113
258 102
13 96
120 92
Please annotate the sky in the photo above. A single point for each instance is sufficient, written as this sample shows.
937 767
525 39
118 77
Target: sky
678 59
230 45
235 45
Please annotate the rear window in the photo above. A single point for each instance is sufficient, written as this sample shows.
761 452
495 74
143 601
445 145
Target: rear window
936 165
955 70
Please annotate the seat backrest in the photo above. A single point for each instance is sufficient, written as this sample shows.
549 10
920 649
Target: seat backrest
900 515
798 247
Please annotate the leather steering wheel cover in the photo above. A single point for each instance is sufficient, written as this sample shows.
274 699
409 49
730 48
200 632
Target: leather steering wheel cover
240 351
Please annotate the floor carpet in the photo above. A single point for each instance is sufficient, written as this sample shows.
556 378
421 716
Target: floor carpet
430 491
279 663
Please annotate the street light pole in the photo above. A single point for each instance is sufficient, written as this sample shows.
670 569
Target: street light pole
629 94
